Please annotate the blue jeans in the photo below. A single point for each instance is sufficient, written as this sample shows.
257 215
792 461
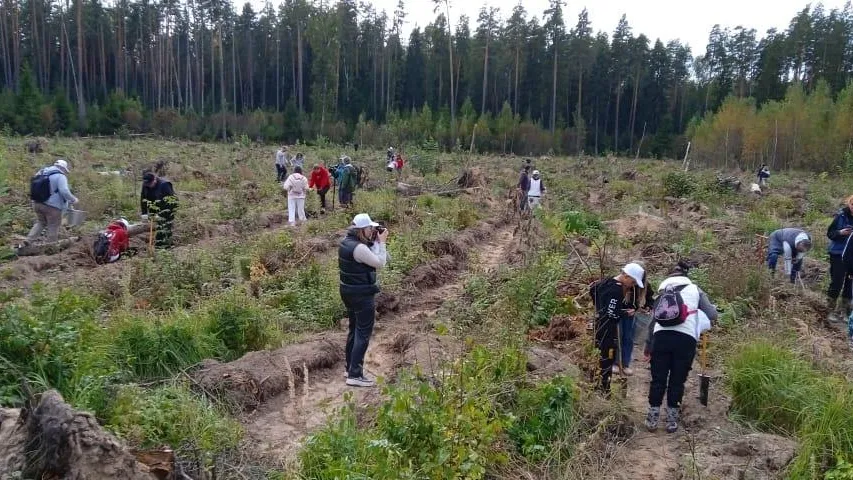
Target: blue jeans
361 311
626 347
850 327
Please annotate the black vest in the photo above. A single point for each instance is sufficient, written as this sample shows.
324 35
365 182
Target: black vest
356 278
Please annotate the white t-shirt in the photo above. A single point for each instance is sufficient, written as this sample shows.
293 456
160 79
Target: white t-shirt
535 188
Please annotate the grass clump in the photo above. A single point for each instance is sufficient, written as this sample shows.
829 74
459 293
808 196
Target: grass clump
781 392
543 414
172 415
240 326
157 349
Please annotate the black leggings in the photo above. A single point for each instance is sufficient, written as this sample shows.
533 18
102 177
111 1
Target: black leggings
840 279
606 339
672 359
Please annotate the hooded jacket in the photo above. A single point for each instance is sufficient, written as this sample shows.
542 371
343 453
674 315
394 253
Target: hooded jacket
119 240
843 219
319 179
161 196
60 193
296 185
784 242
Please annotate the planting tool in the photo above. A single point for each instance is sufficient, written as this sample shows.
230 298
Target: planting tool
704 378
150 236
623 379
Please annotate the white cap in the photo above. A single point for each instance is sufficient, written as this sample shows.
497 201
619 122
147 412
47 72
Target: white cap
62 164
362 220
634 271
535 172
124 222
802 237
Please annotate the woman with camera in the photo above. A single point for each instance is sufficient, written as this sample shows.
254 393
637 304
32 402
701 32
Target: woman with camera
362 252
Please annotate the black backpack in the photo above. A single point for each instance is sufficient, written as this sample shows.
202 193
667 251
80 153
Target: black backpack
101 248
40 187
669 309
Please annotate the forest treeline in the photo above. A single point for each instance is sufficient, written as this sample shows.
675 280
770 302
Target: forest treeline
516 82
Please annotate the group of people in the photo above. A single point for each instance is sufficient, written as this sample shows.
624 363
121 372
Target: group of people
51 198
395 161
344 176
680 313
530 188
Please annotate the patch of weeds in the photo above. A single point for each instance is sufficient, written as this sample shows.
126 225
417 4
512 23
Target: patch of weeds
154 349
309 299
778 391
174 416
44 341
842 470
760 222
542 414
241 326
679 184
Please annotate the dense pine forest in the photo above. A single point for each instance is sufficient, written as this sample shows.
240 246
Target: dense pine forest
522 82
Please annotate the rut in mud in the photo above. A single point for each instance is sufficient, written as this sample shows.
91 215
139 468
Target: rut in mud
286 407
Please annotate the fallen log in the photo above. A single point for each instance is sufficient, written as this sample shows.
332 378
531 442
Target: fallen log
250 380
52 440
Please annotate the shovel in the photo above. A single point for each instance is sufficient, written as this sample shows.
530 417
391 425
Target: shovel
622 379
704 378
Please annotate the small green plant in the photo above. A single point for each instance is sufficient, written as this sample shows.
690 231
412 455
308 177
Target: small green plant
240 327
173 416
679 184
842 470
542 414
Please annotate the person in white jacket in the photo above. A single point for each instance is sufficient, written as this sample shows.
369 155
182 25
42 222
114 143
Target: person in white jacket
536 190
672 349
297 187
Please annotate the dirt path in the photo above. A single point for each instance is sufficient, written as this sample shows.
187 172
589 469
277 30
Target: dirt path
400 339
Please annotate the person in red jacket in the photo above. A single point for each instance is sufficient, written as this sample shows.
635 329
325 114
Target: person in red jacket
112 242
321 182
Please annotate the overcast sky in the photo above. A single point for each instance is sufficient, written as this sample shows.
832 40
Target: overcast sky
687 20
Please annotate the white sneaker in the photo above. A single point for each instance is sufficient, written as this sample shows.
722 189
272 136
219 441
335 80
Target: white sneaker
361 381
615 370
628 371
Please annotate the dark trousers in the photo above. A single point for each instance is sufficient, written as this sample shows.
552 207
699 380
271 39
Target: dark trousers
606 340
672 359
345 197
361 310
322 194
840 279
163 233
281 173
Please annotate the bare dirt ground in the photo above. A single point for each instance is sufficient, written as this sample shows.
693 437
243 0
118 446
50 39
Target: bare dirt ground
401 339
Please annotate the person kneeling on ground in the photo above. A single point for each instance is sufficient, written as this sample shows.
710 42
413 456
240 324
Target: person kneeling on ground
112 242
51 197
321 181
158 199
679 316
607 296
362 252
792 244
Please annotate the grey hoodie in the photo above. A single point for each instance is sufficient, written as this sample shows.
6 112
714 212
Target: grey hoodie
60 193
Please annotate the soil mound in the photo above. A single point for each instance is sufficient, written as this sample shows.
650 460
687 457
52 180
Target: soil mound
757 456
561 329
472 177
53 440
248 381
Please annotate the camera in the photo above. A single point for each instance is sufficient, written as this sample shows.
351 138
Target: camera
380 228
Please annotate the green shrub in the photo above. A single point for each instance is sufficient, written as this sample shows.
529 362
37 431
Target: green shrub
174 416
843 470
760 222
44 341
152 349
679 184
780 392
543 414
240 326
